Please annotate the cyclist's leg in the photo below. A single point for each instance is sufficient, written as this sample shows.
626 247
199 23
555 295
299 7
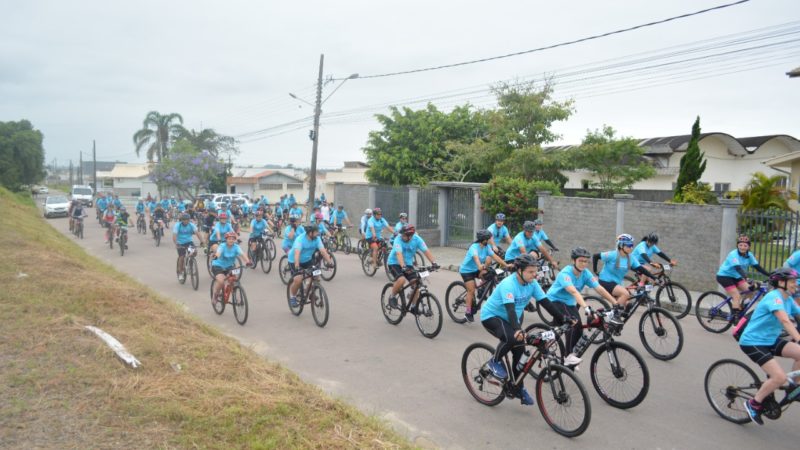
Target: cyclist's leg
732 287
469 283
297 279
219 276
181 259
502 330
621 294
792 350
764 357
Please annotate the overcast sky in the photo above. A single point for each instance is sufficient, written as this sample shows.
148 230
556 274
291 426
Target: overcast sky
83 70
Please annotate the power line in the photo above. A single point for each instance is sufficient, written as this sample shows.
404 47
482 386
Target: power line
560 44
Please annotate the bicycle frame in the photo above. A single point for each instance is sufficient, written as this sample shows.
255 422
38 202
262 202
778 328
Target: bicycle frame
760 292
540 342
418 286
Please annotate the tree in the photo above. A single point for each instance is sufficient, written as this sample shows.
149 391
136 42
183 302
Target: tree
693 163
763 192
526 114
187 170
617 163
21 154
218 145
514 197
157 134
533 163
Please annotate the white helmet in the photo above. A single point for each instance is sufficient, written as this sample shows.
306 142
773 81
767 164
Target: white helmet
367 211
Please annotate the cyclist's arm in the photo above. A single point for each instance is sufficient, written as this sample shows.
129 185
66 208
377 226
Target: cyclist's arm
576 295
787 324
595 259
550 243
512 316
401 260
429 255
760 269
551 308
547 256
297 259
499 260
664 256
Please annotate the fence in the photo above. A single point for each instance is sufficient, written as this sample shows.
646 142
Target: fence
427 208
460 217
392 201
774 234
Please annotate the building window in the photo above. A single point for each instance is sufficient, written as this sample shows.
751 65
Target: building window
722 187
294 186
783 182
270 186
584 184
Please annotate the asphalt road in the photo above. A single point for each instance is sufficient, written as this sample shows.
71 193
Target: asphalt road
415 383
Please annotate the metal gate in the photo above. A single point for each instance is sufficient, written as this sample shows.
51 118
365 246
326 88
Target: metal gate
460 206
774 235
427 208
392 201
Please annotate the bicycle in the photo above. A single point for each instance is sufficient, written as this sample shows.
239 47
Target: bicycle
141 227
715 313
78 229
190 267
427 311
269 244
122 239
328 270
366 258
232 292
729 383
260 255
561 397
419 260
342 239
455 298
677 299
158 232
311 293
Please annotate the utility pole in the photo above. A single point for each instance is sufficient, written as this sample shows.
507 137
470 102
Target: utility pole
70 173
80 170
94 164
312 183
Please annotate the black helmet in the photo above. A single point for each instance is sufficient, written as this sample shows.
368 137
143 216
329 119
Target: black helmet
580 252
310 228
528 226
651 238
538 222
782 274
185 216
525 260
483 235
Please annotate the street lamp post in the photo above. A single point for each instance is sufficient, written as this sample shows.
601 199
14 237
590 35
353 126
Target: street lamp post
312 184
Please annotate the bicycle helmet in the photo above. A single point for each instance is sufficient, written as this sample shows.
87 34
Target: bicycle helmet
340 206
310 228
525 260
403 216
368 212
318 216
528 226
292 219
185 216
580 252
483 235
122 208
377 211
408 230
651 238
782 274
223 216
538 222
231 234
500 216
624 240
743 238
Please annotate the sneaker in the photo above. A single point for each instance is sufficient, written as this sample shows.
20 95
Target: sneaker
498 369
616 318
469 316
393 301
755 414
413 310
524 397
293 302
572 360
181 277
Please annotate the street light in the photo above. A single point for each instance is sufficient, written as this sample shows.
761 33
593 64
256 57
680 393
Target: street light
314 135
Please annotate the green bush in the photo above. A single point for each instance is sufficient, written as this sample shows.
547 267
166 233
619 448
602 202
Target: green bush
587 194
697 194
515 197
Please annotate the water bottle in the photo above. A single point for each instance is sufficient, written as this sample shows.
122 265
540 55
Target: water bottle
793 391
580 347
523 360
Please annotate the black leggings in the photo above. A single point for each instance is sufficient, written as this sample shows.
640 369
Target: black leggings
575 334
502 330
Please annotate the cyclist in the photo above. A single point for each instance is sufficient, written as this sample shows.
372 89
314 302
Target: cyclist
526 242
541 235
296 210
477 260
78 213
401 223
139 208
123 220
290 233
325 209
225 259
645 250
616 263
158 218
732 274
499 232
101 204
208 222
109 217
339 217
300 257
182 233
401 260
502 312
117 202
151 208
362 229
72 205
312 218
761 341
793 262
319 221
565 293
258 227
220 229
374 233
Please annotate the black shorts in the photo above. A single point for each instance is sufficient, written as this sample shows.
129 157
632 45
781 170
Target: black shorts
182 249
303 266
398 272
608 285
469 276
218 270
761 354
255 239
727 282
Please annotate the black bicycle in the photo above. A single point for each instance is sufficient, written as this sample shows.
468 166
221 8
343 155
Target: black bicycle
190 267
455 298
311 293
426 310
261 254
141 227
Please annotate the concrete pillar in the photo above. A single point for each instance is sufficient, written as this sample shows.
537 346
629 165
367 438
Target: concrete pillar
620 200
728 235
442 216
477 213
542 198
413 195
371 197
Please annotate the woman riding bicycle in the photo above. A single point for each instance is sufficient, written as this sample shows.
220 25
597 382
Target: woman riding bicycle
225 259
290 233
732 274
761 341
616 263
499 232
645 250
502 313
401 260
478 258
221 229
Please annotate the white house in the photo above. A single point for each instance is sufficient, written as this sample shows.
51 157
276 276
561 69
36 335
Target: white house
270 183
353 172
130 180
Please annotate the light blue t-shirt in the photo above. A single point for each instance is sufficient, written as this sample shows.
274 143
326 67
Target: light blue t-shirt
221 229
338 217
307 248
152 206
409 249
257 227
510 291
140 208
615 268
727 269
287 242
566 277
644 249
764 328
541 235
399 226
377 224
794 263
468 264
521 241
297 212
183 232
226 256
498 233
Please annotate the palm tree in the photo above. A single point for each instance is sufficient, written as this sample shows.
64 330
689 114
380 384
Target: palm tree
157 133
763 192
209 140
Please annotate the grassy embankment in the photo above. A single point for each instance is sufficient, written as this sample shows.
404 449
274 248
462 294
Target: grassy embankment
63 388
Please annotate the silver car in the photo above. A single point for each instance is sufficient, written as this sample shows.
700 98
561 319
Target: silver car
56 205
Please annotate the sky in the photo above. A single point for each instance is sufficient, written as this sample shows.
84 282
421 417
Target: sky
92 70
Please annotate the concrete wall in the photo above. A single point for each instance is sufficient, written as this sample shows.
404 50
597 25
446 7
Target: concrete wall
579 222
354 197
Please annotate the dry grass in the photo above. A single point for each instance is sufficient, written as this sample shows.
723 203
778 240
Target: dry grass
63 388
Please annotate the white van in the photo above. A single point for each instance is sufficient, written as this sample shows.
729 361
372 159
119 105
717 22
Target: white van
83 194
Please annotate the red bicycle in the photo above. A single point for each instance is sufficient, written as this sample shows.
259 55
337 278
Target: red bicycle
232 292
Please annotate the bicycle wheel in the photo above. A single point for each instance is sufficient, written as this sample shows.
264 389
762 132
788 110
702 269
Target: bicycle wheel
661 334
273 253
328 272
429 315
239 301
393 314
556 346
388 272
676 298
194 273
728 384
319 305
455 301
366 264
208 262
158 237
80 231
216 303
266 262
621 377
483 387
347 244
122 239
714 312
283 269
419 259
563 401
296 310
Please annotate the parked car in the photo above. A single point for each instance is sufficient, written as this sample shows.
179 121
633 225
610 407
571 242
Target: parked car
83 194
43 190
56 205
